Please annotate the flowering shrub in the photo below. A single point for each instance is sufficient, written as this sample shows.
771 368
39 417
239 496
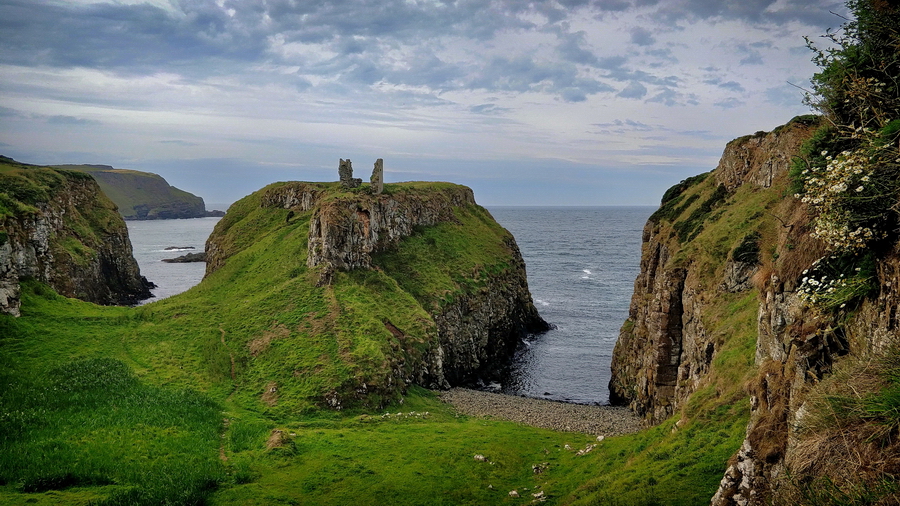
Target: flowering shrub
838 282
849 174
852 193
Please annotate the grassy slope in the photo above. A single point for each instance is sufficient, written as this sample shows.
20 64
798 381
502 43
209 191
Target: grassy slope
326 335
130 188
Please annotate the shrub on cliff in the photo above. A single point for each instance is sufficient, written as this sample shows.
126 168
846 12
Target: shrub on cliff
849 172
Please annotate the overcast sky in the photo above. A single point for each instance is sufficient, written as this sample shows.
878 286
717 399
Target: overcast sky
567 102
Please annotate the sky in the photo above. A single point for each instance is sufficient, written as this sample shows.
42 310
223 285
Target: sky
564 102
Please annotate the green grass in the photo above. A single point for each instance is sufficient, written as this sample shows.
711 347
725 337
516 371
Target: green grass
142 395
131 189
91 423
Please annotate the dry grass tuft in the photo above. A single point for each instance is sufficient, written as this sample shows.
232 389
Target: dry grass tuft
839 455
762 278
270 394
772 390
278 439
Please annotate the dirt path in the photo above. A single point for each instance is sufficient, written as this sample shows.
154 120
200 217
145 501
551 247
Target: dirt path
561 416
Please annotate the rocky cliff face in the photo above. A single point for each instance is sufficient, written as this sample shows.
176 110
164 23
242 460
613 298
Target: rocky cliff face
60 229
695 264
479 315
664 349
345 232
479 332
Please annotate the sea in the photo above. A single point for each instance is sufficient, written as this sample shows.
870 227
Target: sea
581 264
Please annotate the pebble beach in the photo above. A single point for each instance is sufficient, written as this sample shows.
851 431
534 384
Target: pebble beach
561 416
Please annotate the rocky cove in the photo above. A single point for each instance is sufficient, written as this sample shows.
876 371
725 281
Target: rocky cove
318 297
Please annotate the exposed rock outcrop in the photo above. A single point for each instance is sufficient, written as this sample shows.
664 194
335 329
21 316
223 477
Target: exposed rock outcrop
477 317
667 345
346 231
69 236
664 349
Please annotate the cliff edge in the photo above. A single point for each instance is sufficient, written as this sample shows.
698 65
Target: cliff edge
58 227
725 270
144 195
416 285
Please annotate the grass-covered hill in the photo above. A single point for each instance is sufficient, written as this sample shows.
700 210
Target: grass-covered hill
143 195
223 394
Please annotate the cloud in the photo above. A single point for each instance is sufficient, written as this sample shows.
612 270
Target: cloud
726 85
259 82
809 12
124 37
487 109
523 74
642 36
729 103
633 90
9 113
70 120
623 126
664 54
572 49
176 142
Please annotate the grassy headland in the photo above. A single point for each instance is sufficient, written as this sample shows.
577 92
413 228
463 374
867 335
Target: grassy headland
143 195
217 395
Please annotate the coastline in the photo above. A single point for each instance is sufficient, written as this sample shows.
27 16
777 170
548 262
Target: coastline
542 413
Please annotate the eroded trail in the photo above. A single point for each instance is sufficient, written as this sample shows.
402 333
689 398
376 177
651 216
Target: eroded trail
561 416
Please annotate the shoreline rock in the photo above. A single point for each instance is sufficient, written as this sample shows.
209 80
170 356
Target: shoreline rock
190 257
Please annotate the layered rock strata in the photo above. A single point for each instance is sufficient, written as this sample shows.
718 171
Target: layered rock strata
664 349
75 241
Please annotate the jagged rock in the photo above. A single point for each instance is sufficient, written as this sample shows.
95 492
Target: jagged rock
377 178
190 257
737 276
345 171
346 231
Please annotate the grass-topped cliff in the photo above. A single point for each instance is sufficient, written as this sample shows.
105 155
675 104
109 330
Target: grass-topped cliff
226 394
57 226
143 195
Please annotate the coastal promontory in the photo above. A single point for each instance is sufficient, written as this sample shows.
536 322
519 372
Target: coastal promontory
144 195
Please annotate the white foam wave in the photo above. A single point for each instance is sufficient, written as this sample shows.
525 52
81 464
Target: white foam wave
586 271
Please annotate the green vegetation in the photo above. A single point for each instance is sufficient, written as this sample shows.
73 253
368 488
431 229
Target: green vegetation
23 187
142 195
218 395
116 438
848 172
92 425
748 250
